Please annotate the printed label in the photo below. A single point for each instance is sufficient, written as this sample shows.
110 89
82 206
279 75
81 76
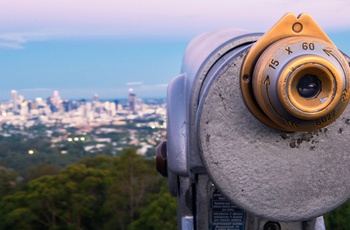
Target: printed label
225 215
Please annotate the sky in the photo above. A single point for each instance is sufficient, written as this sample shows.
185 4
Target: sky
87 47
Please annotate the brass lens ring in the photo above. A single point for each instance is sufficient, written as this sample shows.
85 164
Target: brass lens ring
301 83
328 78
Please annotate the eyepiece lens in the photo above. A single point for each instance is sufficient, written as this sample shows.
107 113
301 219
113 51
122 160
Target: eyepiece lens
309 86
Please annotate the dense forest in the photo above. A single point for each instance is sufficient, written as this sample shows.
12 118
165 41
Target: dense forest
103 192
74 192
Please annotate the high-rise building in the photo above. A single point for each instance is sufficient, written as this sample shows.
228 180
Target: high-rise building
96 98
14 101
132 100
96 107
54 102
67 105
56 98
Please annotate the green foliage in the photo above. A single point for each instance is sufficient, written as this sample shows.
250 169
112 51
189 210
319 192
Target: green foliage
20 218
70 197
158 215
14 213
103 192
8 180
134 179
339 218
40 170
96 193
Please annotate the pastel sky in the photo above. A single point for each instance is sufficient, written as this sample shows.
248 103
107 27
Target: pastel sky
87 47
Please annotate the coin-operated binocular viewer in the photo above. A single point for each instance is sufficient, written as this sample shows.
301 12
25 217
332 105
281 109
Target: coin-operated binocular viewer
258 133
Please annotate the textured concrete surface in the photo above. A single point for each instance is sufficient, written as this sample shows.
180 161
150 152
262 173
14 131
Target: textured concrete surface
279 176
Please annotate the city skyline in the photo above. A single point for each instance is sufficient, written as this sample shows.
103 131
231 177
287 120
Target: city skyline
83 48
17 95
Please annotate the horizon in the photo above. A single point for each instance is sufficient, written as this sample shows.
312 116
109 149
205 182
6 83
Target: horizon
91 98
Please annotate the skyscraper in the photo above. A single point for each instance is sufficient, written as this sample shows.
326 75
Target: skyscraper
56 98
14 101
132 100
96 104
54 101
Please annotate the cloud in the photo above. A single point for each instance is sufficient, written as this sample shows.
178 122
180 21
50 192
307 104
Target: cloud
134 83
17 40
155 86
12 41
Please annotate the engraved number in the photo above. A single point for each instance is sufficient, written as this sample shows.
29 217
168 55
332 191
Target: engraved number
326 118
310 46
273 63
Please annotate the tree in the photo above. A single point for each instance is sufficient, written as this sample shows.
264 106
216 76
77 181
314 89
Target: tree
339 218
68 199
96 193
71 197
14 213
8 180
40 170
160 214
134 180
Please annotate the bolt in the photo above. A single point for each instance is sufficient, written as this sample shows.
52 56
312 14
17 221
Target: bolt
161 161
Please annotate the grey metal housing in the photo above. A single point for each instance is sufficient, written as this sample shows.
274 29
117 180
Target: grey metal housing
213 141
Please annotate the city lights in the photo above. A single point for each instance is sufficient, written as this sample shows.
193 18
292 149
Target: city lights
64 152
130 116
